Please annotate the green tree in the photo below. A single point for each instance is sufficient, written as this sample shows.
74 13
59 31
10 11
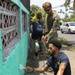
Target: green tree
72 17
67 2
34 9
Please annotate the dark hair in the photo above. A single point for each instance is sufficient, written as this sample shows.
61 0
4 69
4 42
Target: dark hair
39 15
56 43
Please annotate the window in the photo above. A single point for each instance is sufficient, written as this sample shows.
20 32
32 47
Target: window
72 24
67 25
9 23
24 21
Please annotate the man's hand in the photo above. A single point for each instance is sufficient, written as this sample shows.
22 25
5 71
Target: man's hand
44 37
29 69
41 69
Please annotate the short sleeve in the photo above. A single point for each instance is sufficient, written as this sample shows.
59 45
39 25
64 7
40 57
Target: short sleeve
64 59
49 62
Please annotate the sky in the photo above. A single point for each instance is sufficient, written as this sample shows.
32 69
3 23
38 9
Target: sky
53 2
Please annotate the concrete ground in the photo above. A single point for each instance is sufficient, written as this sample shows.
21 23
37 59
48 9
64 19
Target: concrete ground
38 63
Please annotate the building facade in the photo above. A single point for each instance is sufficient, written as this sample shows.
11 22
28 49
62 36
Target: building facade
14 36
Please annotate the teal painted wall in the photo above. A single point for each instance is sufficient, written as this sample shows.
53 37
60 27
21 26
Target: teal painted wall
0 52
20 5
19 53
17 57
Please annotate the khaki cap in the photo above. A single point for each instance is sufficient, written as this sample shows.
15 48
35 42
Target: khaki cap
46 5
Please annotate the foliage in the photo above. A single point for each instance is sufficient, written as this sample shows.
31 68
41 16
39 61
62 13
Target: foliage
63 41
72 17
67 2
72 47
43 13
34 9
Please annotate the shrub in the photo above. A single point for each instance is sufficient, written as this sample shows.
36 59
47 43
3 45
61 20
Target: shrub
63 41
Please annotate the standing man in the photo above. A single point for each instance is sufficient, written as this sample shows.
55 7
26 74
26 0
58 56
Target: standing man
40 21
40 18
52 23
57 60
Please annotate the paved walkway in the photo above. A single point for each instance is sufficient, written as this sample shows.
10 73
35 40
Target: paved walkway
38 63
71 55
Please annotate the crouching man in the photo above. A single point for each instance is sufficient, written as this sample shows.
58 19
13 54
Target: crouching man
58 60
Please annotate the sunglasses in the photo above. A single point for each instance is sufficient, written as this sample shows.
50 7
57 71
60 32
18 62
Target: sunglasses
48 9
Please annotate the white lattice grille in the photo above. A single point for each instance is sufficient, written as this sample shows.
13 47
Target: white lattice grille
10 24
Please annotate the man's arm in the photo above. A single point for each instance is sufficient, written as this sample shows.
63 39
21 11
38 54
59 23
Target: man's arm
53 30
61 69
63 65
41 69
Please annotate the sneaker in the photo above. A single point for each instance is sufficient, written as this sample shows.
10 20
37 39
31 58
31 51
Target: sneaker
36 57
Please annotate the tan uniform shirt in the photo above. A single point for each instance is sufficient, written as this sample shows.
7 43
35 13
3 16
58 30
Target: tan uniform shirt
52 23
